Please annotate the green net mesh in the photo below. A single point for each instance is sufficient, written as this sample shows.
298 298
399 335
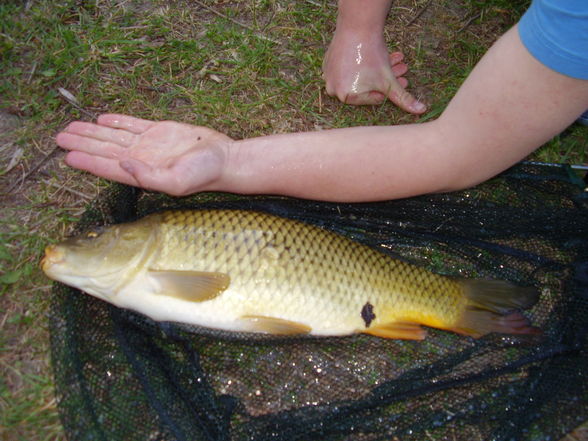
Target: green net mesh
121 376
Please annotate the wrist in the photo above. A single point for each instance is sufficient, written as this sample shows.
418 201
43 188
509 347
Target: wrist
366 17
231 176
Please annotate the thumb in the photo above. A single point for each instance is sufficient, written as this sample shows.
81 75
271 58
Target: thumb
142 173
403 99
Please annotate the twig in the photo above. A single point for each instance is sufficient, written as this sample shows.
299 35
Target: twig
238 23
320 99
38 288
470 21
70 190
32 72
71 100
32 170
67 96
423 9
220 14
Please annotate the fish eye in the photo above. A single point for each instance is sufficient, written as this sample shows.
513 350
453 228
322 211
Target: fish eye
94 233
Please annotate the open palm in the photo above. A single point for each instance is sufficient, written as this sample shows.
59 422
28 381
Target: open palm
167 156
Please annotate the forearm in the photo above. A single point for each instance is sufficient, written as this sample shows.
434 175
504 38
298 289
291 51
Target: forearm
509 106
353 164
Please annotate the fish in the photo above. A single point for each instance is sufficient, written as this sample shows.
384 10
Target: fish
249 271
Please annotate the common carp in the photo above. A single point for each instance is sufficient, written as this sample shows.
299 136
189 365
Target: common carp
248 271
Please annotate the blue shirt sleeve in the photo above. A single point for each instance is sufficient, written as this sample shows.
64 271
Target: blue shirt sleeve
555 32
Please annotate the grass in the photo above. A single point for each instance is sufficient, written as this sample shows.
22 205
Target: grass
244 68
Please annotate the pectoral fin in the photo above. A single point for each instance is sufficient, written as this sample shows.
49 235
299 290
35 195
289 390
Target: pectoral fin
273 325
399 330
192 286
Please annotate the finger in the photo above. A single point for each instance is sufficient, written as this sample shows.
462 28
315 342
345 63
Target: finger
130 123
91 146
103 167
143 174
399 69
101 133
404 100
402 81
395 58
397 94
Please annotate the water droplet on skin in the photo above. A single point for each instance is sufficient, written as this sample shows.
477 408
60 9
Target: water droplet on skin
355 84
358 57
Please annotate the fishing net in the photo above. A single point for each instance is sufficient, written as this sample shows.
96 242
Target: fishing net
121 376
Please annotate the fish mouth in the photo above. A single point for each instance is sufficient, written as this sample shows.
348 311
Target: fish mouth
53 255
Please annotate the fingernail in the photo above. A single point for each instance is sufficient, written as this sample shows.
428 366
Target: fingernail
417 106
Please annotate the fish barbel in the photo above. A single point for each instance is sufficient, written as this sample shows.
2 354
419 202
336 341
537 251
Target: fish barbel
254 272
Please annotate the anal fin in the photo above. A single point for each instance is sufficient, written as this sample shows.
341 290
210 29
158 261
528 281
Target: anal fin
398 330
274 325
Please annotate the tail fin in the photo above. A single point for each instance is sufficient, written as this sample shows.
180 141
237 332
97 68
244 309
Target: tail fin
492 306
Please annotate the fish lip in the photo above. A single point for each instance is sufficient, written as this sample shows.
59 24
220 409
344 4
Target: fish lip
53 255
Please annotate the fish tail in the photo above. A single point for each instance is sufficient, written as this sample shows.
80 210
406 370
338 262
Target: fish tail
493 306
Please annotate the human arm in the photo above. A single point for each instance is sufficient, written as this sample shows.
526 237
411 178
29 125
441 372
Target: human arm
357 67
509 105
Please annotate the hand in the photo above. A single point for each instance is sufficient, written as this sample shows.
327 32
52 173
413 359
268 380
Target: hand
362 72
166 156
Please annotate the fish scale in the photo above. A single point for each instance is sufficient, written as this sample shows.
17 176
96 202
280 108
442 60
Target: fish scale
345 278
249 271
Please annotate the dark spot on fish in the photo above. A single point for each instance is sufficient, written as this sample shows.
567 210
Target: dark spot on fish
199 138
367 314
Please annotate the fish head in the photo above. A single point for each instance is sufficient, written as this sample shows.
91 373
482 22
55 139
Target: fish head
98 260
